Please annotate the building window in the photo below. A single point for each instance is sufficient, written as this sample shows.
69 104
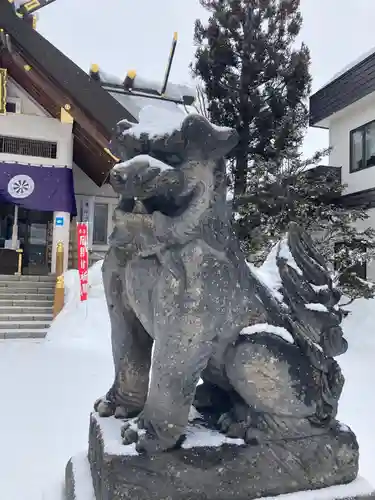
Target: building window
28 147
97 212
100 224
83 209
13 105
362 147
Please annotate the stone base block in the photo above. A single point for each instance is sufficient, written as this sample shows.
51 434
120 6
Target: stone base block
211 467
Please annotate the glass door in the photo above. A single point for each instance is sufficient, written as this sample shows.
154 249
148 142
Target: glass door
37 246
33 232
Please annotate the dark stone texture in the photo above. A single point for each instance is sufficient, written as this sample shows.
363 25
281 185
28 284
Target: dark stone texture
176 281
225 473
70 481
179 295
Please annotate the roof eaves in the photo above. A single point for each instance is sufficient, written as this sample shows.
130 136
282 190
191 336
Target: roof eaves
95 101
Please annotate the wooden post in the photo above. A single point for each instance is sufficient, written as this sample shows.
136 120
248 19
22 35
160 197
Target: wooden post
59 258
15 228
169 66
58 303
20 256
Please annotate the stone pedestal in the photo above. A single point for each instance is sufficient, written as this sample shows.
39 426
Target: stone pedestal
212 467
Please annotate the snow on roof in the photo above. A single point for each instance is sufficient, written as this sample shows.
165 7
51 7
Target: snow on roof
135 103
174 91
351 65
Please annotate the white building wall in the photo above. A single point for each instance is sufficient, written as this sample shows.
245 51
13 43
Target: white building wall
28 105
362 225
340 125
33 122
39 128
87 195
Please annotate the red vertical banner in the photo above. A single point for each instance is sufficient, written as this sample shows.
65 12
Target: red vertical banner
83 259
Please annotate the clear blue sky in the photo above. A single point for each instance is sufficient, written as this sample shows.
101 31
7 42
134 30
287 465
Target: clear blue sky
126 34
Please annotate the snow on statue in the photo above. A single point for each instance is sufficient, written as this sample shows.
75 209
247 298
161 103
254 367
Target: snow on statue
184 305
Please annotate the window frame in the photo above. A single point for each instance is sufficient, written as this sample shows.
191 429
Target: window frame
17 102
105 204
362 129
90 201
9 142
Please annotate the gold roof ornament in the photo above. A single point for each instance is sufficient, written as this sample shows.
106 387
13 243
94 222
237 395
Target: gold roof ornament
95 71
129 79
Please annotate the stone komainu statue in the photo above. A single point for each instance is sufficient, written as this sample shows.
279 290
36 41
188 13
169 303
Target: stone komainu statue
180 295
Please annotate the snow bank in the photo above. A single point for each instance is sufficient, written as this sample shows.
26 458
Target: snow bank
84 489
285 253
357 488
268 273
84 324
357 406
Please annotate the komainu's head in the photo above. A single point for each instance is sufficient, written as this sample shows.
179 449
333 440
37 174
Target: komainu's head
174 142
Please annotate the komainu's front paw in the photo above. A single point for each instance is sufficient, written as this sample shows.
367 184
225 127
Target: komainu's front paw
131 431
106 408
231 427
139 432
240 427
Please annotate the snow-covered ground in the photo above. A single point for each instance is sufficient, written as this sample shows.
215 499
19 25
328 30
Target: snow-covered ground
48 388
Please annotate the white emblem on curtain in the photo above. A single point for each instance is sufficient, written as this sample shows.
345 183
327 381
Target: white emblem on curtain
21 186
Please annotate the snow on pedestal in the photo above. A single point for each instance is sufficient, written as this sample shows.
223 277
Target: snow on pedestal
120 472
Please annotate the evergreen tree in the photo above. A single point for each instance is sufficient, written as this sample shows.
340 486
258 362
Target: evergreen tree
312 197
256 79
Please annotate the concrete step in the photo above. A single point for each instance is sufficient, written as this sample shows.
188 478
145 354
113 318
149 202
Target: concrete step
27 285
5 277
24 317
26 290
26 306
22 333
34 310
24 295
24 325
26 303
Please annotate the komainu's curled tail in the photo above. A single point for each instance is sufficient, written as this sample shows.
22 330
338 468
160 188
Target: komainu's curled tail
312 314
